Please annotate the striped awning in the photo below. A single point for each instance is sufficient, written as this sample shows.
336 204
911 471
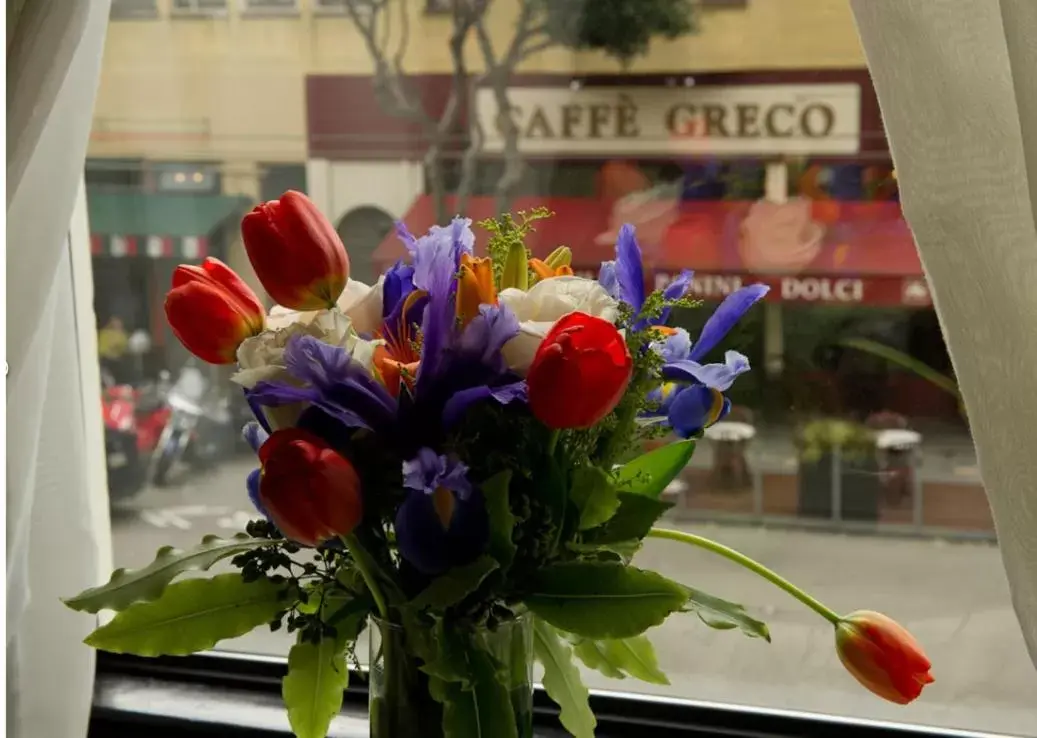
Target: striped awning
152 225
117 245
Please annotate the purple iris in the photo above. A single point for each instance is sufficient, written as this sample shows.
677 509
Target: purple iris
624 278
457 369
443 521
692 399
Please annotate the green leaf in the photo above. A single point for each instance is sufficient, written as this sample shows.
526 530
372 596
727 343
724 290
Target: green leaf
455 585
634 518
600 600
594 496
649 473
312 688
562 681
724 615
623 549
127 586
502 522
617 658
192 615
894 356
483 709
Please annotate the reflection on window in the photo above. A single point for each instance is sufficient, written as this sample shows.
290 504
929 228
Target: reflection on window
131 9
201 7
270 5
752 151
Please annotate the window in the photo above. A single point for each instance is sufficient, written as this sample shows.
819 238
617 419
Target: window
749 147
200 7
271 6
134 9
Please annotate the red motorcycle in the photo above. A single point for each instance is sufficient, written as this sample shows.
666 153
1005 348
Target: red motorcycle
133 423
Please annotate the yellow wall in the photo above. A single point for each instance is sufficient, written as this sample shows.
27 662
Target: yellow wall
231 89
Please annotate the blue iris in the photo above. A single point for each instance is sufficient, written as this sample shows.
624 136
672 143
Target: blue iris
443 520
624 278
692 397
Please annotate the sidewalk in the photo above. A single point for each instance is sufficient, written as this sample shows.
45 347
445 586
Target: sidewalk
945 498
946 455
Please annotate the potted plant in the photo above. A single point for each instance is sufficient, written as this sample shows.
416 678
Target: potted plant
838 471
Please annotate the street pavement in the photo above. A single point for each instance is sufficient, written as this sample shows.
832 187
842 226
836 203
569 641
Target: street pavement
952 595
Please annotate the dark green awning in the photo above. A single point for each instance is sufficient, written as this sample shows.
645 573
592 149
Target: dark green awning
149 224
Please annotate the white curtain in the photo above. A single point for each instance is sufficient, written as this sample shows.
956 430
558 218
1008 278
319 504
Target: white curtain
957 83
58 535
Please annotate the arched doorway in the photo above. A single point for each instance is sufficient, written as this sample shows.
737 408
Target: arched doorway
361 230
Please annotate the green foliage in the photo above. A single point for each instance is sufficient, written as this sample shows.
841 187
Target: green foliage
650 473
603 600
818 437
453 586
562 681
312 688
619 658
724 615
191 616
507 231
502 520
905 361
482 708
621 28
127 586
634 518
594 496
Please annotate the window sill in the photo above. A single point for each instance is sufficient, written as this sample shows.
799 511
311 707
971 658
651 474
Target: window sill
238 696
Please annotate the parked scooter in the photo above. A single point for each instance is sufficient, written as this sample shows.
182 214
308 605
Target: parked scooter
133 422
198 429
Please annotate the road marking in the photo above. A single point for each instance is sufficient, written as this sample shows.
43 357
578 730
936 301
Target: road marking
180 516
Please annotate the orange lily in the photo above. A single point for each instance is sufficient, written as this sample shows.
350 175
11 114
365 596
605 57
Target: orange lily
475 287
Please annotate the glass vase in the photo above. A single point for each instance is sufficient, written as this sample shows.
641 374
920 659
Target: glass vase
405 702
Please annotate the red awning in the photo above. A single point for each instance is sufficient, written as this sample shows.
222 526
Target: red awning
808 251
576 222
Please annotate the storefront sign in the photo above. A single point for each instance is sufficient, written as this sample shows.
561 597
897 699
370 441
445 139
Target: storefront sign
809 289
734 120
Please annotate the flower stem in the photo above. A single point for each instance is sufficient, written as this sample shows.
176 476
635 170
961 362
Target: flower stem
363 565
552 442
750 564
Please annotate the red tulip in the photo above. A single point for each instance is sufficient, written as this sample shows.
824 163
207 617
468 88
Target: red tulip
579 373
212 311
310 492
296 252
882 656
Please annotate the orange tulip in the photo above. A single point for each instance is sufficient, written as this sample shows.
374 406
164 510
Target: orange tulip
212 311
310 492
882 656
475 287
296 252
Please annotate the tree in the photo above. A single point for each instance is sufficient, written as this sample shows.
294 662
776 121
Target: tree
623 29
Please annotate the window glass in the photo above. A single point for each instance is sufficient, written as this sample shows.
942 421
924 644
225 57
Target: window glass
749 148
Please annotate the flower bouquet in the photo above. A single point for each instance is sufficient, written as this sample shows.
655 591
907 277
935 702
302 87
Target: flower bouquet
449 460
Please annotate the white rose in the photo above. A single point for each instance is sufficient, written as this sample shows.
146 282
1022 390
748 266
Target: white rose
360 302
261 358
546 302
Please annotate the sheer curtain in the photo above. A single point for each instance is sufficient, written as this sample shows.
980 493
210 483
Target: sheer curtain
58 537
957 82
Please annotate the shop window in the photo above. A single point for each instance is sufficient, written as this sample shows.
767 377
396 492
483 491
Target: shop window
114 174
200 7
274 7
184 177
133 9
276 179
